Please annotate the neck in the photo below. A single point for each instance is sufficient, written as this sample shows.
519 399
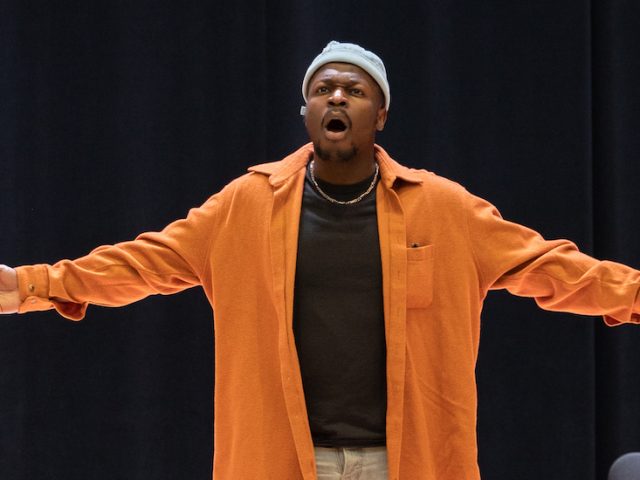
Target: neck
347 172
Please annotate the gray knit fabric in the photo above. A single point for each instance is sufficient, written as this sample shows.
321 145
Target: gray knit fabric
355 55
627 467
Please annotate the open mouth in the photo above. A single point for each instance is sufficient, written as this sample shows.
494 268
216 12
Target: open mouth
336 125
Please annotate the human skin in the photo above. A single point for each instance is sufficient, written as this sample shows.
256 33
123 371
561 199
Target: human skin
9 295
348 95
337 91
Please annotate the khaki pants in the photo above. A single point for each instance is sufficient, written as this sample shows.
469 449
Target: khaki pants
366 463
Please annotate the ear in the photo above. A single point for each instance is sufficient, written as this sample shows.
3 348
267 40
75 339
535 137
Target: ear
381 118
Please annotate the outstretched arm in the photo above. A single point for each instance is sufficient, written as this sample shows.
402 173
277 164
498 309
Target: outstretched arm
9 295
114 275
554 273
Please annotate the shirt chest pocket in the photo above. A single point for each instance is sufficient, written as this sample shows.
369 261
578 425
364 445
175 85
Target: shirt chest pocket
419 276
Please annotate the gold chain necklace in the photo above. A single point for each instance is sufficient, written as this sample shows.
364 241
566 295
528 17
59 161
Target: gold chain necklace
343 202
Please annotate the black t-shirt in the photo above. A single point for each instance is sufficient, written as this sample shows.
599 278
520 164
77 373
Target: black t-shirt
339 318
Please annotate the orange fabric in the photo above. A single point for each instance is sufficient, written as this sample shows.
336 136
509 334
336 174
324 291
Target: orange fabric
442 250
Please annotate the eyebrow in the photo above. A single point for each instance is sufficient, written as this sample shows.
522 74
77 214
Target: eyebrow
331 81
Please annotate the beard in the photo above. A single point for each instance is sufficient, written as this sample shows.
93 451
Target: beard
339 155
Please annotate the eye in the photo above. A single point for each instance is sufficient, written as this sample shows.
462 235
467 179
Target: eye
357 92
322 90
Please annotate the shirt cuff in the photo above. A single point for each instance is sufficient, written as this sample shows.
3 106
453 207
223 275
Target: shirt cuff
33 285
634 317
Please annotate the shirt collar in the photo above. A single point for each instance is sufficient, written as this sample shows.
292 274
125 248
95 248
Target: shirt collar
279 172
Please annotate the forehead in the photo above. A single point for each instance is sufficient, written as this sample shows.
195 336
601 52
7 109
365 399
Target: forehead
335 71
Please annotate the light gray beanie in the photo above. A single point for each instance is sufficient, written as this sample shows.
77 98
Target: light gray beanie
355 55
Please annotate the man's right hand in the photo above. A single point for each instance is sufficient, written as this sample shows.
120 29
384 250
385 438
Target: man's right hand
9 294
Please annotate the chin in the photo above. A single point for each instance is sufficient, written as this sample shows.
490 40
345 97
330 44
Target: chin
335 153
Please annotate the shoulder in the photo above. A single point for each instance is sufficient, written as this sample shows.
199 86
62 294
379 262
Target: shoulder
259 183
251 186
429 184
404 178
425 192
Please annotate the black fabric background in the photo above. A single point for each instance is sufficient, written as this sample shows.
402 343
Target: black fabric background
117 117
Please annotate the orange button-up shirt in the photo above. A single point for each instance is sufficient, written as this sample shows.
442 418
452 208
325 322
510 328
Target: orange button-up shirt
442 250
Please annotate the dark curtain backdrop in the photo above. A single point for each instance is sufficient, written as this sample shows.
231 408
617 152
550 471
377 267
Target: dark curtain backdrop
117 117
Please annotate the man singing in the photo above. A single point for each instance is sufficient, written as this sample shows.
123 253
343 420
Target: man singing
347 292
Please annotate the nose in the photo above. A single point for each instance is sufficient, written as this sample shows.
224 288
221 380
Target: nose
338 98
